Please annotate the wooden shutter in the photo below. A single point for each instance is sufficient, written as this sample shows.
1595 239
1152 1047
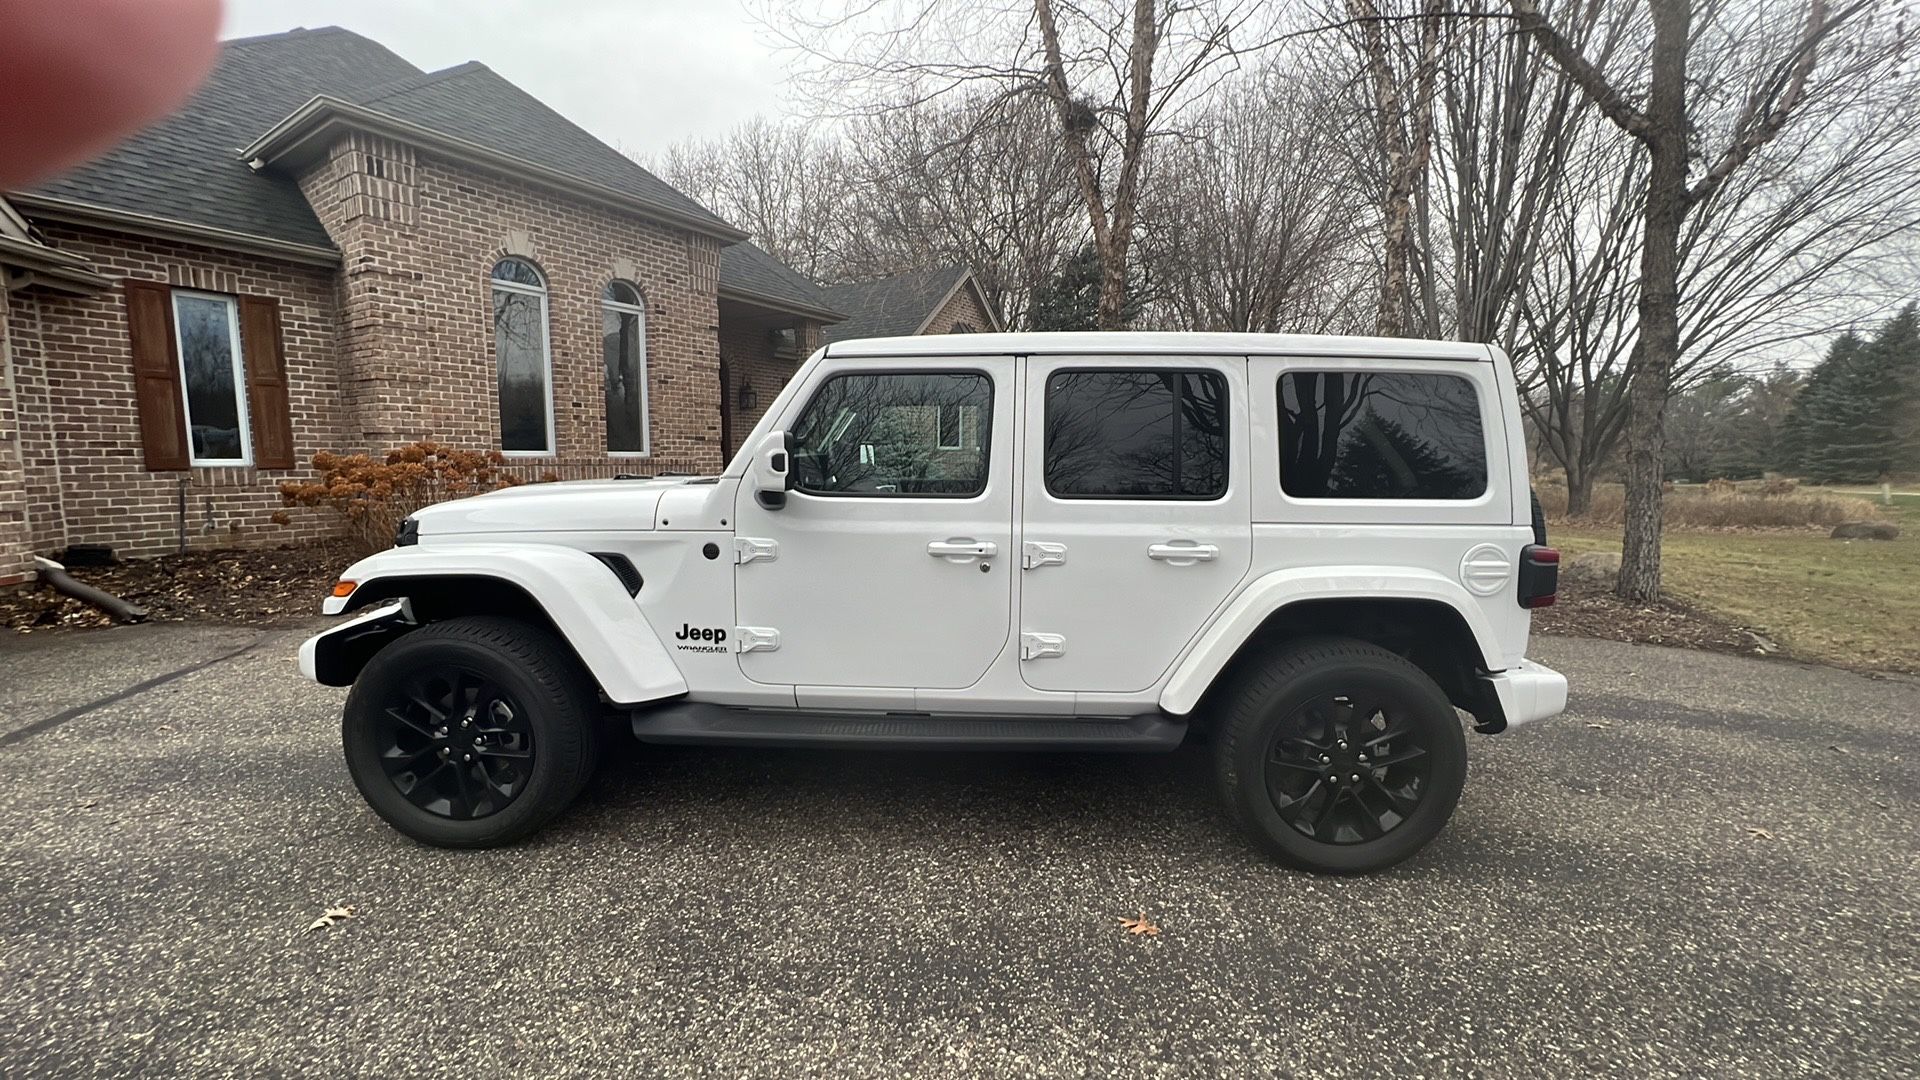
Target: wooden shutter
266 382
156 375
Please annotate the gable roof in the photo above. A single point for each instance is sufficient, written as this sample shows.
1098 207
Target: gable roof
750 274
900 305
193 167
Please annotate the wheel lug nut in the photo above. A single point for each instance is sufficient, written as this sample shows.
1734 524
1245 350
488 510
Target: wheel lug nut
1356 778
1343 746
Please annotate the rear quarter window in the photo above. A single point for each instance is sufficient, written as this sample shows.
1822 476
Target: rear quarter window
1380 435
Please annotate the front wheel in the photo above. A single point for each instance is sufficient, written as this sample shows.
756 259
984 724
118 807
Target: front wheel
1340 757
473 732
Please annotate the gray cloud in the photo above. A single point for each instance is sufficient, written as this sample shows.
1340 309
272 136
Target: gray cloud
640 74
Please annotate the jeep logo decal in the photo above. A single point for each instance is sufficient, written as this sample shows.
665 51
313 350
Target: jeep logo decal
702 638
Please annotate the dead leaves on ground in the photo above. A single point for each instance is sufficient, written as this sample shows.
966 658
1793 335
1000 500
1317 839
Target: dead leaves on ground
1141 925
1759 833
331 916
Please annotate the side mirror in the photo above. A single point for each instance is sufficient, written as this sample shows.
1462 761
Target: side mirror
771 472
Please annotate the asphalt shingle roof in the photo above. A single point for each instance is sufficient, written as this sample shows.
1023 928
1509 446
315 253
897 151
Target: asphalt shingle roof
894 306
748 269
474 103
187 168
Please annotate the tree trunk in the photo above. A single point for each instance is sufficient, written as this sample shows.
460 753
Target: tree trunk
1112 314
1657 349
1579 492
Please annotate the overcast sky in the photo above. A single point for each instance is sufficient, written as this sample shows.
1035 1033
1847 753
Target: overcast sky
640 74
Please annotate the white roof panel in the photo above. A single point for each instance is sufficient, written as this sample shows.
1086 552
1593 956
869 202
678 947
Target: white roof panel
1120 343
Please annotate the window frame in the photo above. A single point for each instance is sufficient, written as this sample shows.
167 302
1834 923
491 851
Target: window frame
986 438
240 385
497 285
646 395
1480 401
1226 431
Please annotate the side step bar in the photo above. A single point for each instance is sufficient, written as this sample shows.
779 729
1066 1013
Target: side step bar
721 725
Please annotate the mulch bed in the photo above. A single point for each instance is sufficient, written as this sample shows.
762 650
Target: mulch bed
1588 610
261 588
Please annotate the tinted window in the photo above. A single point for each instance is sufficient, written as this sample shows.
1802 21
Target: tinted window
1137 434
895 435
1380 435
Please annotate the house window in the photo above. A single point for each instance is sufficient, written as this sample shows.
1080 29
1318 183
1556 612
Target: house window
959 428
1380 435
1136 434
520 351
207 340
623 322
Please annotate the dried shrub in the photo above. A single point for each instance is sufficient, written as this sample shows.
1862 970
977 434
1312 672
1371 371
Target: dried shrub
1766 504
375 496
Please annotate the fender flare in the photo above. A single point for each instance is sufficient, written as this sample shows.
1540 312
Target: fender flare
594 613
1270 592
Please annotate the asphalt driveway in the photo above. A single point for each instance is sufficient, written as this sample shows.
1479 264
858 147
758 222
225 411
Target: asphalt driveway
1710 866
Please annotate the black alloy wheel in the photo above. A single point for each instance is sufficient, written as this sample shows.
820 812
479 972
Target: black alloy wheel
1338 756
471 732
457 744
1346 769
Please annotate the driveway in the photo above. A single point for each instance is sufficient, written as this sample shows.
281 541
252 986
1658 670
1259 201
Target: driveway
1708 867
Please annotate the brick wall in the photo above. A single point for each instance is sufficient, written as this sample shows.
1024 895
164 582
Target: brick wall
748 347
420 235
16 543
86 479
963 309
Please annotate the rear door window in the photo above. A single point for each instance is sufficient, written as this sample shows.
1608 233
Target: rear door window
1136 434
1380 435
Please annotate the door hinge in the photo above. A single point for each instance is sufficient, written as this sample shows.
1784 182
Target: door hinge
1037 646
748 548
756 638
1039 553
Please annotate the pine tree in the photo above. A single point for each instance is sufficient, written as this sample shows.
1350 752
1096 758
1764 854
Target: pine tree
1850 421
1070 300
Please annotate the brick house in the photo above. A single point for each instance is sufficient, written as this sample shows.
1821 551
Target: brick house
329 248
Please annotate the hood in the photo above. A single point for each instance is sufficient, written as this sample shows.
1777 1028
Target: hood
568 506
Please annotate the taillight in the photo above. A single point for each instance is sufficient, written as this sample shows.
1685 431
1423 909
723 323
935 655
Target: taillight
1539 576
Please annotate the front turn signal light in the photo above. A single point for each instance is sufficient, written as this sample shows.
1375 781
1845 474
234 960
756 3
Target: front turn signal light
344 588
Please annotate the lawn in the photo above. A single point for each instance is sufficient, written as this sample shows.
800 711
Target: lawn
1853 603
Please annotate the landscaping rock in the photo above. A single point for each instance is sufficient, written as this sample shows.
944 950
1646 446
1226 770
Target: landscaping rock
1866 530
1592 568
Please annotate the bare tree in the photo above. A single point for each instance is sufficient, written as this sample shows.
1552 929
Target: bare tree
1243 227
1118 75
781 182
1674 140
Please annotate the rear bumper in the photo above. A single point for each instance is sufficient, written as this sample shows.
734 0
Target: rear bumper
1527 692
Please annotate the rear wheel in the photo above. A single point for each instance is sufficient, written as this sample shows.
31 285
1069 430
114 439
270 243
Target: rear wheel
1340 757
472 732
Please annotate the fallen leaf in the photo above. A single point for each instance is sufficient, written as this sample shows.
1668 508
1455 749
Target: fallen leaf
1141 925
330 916
1600 724
1838 749
1759 833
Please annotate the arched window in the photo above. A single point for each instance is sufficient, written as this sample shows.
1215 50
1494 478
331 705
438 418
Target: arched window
623 323
522 357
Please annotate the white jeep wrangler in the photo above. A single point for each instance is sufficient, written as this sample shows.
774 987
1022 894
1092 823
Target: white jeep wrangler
1312 550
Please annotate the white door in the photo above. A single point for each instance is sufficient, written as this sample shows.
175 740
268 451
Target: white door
891 561
1134 515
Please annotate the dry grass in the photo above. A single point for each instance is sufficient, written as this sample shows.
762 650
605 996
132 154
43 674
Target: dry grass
1721 505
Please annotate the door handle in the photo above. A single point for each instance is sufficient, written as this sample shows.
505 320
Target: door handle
1181 553
963 549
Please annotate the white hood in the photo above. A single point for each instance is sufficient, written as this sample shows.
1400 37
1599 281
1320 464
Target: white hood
570 506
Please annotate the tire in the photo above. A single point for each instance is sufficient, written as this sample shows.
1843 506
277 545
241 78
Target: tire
527 726
1287 748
